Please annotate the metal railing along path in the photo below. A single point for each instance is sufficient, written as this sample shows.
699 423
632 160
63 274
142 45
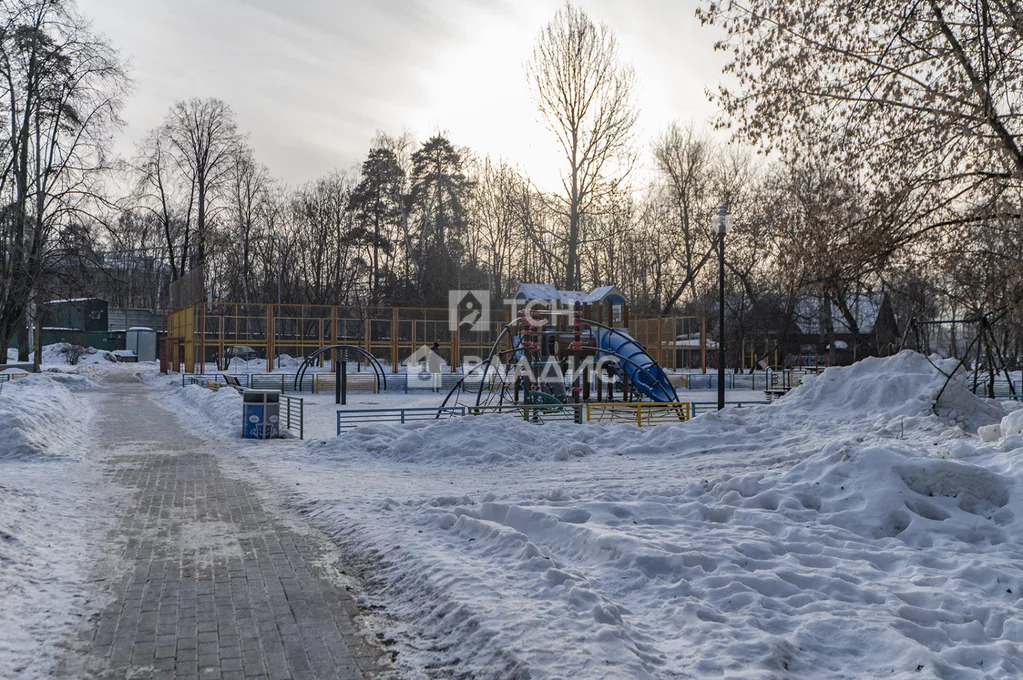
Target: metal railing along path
292 414
704 406
350 418
534 413
256 381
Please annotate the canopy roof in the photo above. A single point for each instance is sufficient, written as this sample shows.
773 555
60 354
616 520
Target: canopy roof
544 291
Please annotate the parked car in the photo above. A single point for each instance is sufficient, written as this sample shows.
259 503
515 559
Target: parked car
241 352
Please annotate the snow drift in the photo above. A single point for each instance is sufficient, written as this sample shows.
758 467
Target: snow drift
855 528
39 417
906 385
45 476
223 408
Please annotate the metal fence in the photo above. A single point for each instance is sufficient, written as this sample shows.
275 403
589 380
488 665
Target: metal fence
704 406
285 382
639 413
643 414
293 414
8 377
534 413
1003 388
349 418
443 382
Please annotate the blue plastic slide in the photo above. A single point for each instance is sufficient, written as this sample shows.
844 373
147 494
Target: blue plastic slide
640 368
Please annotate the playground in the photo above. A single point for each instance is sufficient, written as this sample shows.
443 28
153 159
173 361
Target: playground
553 355
201 333
556 356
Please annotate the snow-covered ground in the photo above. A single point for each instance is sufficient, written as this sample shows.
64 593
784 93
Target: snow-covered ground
321 410
53 507
46 489
853 529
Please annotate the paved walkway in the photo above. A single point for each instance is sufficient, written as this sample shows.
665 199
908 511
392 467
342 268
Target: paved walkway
206 581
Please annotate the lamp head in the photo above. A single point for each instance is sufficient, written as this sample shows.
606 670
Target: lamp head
722 221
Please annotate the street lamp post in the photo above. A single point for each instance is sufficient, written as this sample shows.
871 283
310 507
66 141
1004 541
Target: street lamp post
723 223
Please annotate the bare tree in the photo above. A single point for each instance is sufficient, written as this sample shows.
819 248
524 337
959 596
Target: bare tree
250 186
161 192
60 90
585 95
926 94
203 137
684 162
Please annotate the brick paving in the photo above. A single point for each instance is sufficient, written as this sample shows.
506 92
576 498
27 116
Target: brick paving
210 584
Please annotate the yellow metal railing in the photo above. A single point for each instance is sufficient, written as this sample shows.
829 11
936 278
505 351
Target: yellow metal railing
642 414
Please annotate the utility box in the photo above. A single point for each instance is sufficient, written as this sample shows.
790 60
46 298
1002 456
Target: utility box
141 341
261 411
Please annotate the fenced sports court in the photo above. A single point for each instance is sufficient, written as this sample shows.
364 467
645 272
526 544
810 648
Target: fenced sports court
204 332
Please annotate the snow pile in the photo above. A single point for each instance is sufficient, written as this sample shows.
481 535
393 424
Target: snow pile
239 365
479 440
39 417
283 363
73 380
906 385
222 408
44 481
1007 431
55 354
287 361
852 529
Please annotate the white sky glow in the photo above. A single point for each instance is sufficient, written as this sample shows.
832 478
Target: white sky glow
312 81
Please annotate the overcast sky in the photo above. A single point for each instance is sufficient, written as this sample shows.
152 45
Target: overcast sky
311 81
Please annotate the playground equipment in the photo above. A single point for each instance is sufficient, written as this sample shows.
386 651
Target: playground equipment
556 363
985 348
341 353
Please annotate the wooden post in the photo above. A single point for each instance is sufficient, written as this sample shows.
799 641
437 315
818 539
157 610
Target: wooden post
220 338
202 338
319 339
660 340
369 337
394 339
454 359
271 338
703 343
333 326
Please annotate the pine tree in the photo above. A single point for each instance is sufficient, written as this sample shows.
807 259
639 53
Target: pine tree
439 190
378 202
